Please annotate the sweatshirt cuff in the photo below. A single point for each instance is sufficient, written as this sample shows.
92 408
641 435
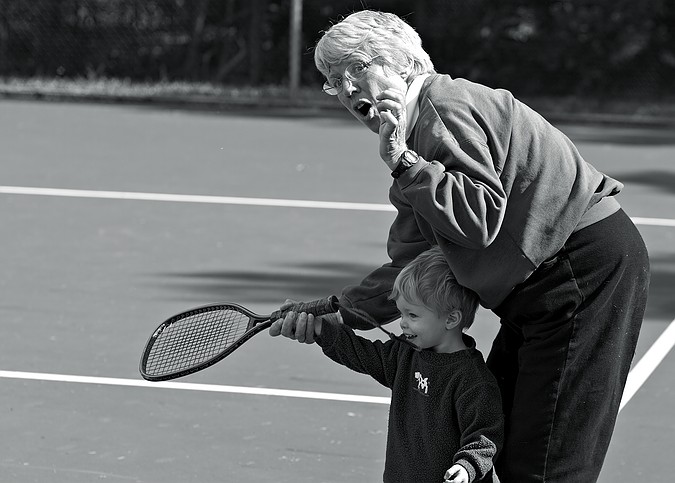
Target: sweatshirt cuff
409 176
350 319
469 469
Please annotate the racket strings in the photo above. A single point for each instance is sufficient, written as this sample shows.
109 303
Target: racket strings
195 339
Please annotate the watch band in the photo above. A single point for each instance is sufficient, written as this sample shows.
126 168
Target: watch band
407 160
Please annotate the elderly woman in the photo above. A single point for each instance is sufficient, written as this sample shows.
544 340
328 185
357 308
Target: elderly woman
523 220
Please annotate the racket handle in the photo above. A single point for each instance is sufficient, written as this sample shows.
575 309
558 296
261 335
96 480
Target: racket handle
325 306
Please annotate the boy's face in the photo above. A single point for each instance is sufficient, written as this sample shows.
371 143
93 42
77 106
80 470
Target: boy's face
423 327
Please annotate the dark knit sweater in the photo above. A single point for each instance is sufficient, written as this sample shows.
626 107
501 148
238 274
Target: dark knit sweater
445 408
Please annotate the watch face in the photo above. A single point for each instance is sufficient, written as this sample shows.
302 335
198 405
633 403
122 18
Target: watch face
409 158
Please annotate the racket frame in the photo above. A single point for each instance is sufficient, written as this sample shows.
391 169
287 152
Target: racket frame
257 323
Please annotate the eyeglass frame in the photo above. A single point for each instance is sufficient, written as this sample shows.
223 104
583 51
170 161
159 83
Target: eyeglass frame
327 88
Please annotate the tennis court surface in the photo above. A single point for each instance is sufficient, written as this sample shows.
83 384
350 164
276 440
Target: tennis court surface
113 218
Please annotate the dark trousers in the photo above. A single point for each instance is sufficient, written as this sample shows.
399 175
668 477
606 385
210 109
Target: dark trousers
564 350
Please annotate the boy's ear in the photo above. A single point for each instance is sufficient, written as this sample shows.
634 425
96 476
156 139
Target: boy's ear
454 319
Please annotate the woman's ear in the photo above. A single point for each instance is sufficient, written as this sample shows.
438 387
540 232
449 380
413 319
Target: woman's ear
403 69
454 319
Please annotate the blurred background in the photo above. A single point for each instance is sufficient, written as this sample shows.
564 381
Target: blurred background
591 54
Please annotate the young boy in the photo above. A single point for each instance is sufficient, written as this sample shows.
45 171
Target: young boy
445 418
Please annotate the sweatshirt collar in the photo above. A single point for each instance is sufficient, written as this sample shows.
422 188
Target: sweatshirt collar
411 97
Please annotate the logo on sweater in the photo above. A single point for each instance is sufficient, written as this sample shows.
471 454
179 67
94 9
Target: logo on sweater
422 383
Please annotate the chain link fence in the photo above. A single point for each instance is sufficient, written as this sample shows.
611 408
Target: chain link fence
583 47
159 40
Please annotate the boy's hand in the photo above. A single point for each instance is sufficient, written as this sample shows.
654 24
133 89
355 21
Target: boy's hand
302 327
456 474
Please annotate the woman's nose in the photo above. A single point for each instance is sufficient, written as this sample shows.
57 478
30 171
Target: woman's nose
348 87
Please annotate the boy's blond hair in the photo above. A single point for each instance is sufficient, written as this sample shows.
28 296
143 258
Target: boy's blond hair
428 281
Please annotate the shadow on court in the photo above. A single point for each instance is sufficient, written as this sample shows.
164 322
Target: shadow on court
312 281
630 135
661 304
638 133
300 282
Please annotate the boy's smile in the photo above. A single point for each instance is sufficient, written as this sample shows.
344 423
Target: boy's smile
423 327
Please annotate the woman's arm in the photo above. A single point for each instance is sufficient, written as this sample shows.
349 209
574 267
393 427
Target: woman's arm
404 243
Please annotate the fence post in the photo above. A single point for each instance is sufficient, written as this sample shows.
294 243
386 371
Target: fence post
294 47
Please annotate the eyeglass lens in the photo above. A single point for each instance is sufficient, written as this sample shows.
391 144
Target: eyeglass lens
353 72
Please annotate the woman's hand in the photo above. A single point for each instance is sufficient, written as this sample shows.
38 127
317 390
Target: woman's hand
302 327
393 125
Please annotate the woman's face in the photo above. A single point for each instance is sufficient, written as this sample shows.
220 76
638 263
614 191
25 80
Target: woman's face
359 96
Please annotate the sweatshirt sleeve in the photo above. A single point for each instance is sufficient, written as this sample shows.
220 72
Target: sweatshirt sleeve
375 358
453 193
482 426
404 243
458 193
456 187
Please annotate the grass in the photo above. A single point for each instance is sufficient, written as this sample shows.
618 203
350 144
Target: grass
122 90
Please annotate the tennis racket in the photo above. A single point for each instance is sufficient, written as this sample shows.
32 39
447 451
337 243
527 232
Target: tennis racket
198 338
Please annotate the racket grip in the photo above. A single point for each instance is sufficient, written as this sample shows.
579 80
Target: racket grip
325 306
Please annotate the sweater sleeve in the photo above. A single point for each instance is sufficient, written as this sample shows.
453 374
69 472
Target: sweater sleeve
375 358
482 426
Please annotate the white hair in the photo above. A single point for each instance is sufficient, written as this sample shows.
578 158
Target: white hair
368 34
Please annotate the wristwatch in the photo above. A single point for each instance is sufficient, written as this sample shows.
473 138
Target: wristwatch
407 160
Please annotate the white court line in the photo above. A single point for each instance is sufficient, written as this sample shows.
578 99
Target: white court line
257 391
233 200
220 200
653 221
649 362
641 371
636 378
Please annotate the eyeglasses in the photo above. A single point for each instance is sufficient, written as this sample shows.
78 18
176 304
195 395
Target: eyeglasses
354 72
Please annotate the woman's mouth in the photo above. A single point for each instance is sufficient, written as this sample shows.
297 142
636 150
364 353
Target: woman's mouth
363 107
408 336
